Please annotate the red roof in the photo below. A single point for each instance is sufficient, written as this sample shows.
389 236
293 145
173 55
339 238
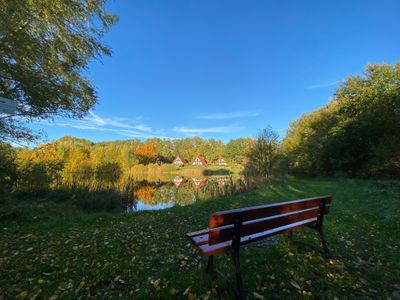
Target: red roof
182 159
201 159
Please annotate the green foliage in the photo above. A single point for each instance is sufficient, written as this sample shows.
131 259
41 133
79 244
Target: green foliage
45 46
308 141
7 166
356 134
263 156
237 150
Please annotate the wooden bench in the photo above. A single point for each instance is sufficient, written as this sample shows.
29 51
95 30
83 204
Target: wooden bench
230 229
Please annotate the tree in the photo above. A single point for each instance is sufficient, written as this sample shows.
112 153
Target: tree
263 154
7 166
146 153
237 150
309 142
357 134
368 127
38 169
44 47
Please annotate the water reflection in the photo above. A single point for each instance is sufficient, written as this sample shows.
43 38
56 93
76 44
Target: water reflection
138 205
147 195
158 191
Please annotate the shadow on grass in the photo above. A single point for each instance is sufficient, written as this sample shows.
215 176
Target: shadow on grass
22 206
221 172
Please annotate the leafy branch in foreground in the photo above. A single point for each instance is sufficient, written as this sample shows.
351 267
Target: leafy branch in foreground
45 46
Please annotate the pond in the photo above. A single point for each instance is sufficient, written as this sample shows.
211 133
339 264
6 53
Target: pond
155 192
181 191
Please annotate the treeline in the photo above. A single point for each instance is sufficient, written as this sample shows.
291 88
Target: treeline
69 158
356 134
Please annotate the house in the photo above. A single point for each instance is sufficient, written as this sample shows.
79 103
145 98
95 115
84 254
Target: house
199 161
180 161
161 160
221 162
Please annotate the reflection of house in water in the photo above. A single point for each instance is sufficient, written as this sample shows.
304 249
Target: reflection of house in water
180 161
199 161
222 180
198 183
179 181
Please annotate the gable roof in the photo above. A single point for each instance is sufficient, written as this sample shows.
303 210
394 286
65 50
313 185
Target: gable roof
181 158
202 159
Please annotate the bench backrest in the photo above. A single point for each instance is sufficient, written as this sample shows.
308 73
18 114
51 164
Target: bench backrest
258 219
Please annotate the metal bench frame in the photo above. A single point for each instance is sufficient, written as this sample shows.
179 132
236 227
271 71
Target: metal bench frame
234 250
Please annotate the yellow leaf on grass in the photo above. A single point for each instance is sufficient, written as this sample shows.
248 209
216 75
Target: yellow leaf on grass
295 284
23 295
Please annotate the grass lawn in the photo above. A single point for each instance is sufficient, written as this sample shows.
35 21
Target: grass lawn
207 170
146 255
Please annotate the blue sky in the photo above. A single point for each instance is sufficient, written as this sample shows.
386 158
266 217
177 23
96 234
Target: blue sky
227 69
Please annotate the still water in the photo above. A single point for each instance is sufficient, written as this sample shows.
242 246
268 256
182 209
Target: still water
181 191
137 193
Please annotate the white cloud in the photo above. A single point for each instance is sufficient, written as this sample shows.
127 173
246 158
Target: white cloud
230 115
128 127
121 126
199 131
115 122
323 85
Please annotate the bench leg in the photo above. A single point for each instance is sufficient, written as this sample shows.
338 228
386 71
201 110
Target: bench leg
239 282
237 289
210 264
290 236
323 241
235 255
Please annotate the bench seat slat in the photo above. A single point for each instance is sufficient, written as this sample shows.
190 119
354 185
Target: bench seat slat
195 233
225 233
274 231
250 213
208 250
200 239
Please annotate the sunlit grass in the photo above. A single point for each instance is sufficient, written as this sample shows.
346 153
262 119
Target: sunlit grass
146 255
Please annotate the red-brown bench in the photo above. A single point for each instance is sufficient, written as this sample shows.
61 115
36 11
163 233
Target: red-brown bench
230 229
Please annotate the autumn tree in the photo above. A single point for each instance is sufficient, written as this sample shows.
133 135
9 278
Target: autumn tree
146 153
39 168
263 155
44 48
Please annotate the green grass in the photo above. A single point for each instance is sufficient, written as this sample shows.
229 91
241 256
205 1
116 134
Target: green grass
146 255
207 170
